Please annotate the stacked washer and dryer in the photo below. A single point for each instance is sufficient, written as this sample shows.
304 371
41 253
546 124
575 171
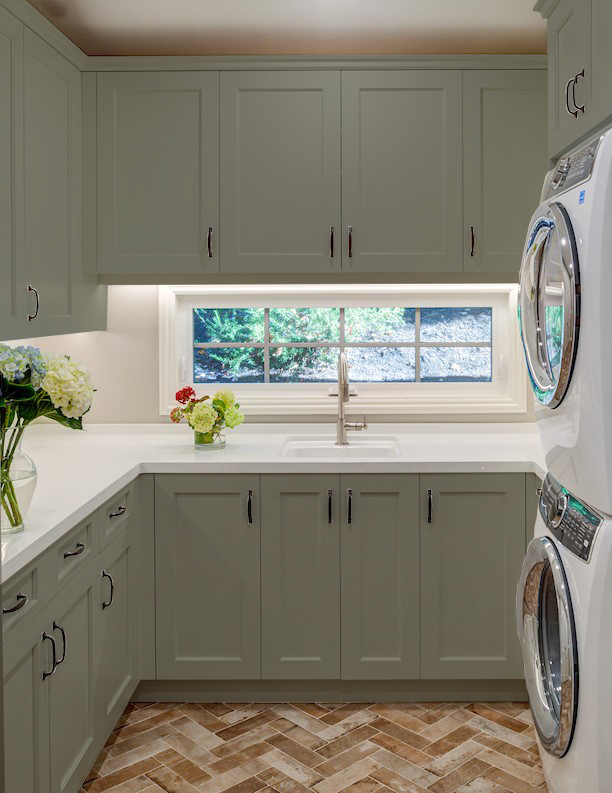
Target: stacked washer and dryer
564 597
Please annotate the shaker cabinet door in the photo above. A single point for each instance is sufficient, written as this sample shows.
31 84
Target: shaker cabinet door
158 173
401 171
472 549
300 576
504 159
207 576
598 63
380 576
280 168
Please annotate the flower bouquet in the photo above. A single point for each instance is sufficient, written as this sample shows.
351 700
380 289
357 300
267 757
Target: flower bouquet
32 386
208 420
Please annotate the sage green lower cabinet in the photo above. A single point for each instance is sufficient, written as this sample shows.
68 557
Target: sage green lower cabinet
26 710
380 576
472 549
300 576
116 610
207 545
72 747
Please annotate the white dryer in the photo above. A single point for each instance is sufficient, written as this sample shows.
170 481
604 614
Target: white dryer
565 316
564 617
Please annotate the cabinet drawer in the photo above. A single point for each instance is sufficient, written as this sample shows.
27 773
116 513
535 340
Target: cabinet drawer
74 552
25 595
117 513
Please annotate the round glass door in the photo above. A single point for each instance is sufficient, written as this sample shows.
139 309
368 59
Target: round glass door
549 303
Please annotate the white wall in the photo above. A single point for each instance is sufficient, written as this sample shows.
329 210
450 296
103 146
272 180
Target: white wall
124 364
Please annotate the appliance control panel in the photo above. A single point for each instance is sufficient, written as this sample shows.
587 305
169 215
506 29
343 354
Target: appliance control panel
572 522
571 170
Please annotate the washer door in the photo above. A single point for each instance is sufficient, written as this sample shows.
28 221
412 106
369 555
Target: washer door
548 641
549 303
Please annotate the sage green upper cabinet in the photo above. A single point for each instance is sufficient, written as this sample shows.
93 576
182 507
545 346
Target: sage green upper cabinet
472 549
11 164
280 172
207 576
300 576
504 160
380 576
158 173
401 171
598 67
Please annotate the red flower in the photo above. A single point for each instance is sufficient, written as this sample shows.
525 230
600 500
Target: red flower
184 395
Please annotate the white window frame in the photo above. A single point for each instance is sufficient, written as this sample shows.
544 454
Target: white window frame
506 393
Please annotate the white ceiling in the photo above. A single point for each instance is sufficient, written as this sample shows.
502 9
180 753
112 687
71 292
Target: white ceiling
278 27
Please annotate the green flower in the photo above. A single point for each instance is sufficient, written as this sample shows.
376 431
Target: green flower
233 417
202 417
226 395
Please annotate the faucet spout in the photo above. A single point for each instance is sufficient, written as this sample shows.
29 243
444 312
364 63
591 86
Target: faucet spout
343 397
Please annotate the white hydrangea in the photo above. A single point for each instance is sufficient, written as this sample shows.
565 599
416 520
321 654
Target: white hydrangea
202 417
68 385
225 395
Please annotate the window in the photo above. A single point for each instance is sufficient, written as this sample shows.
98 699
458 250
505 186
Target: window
411 349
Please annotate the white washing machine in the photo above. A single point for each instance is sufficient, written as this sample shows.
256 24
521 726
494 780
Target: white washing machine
565 315
564 617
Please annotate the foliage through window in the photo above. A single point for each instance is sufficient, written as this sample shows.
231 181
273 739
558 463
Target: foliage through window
383 344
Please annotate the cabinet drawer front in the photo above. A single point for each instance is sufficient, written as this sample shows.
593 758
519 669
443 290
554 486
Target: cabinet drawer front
117 513
75 551
25 595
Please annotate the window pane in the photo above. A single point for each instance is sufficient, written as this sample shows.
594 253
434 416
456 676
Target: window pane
305 324
303 364
456 324
379 324
228 325
455 364
228 365
381 364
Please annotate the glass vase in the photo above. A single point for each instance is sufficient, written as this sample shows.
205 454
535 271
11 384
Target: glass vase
209 440
17 483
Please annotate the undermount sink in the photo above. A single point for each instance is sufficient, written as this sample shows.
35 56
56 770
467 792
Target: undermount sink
325 447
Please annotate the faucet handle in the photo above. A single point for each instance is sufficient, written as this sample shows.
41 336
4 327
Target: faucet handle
358 425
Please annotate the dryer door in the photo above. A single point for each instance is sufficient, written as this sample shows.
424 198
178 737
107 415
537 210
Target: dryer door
548 641
549 303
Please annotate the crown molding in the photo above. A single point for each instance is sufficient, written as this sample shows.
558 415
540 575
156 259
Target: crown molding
545 7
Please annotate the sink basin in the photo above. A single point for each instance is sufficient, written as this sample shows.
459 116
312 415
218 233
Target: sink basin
324 447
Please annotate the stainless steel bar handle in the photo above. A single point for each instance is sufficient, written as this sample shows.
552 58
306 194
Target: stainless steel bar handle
429 506
209 242
45 637
331 242
121 510
79 550
330 517
575 82
105 605
472 241
350 242
567 107
250 507
21 601
57 627
35 314
349 506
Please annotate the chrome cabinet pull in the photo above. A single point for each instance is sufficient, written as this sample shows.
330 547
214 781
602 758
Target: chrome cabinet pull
35 314
45 637
567 107
349 506
331 242
250 507
105 605
330 517
79 550
472 241
59 628
429 506
121 510
574 83
350 242
21 601
209 242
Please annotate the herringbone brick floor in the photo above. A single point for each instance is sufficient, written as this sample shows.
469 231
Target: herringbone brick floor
481 747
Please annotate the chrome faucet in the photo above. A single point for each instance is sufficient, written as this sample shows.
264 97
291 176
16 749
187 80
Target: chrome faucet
342 425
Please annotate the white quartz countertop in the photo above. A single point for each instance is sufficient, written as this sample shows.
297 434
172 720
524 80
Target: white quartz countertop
79 471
